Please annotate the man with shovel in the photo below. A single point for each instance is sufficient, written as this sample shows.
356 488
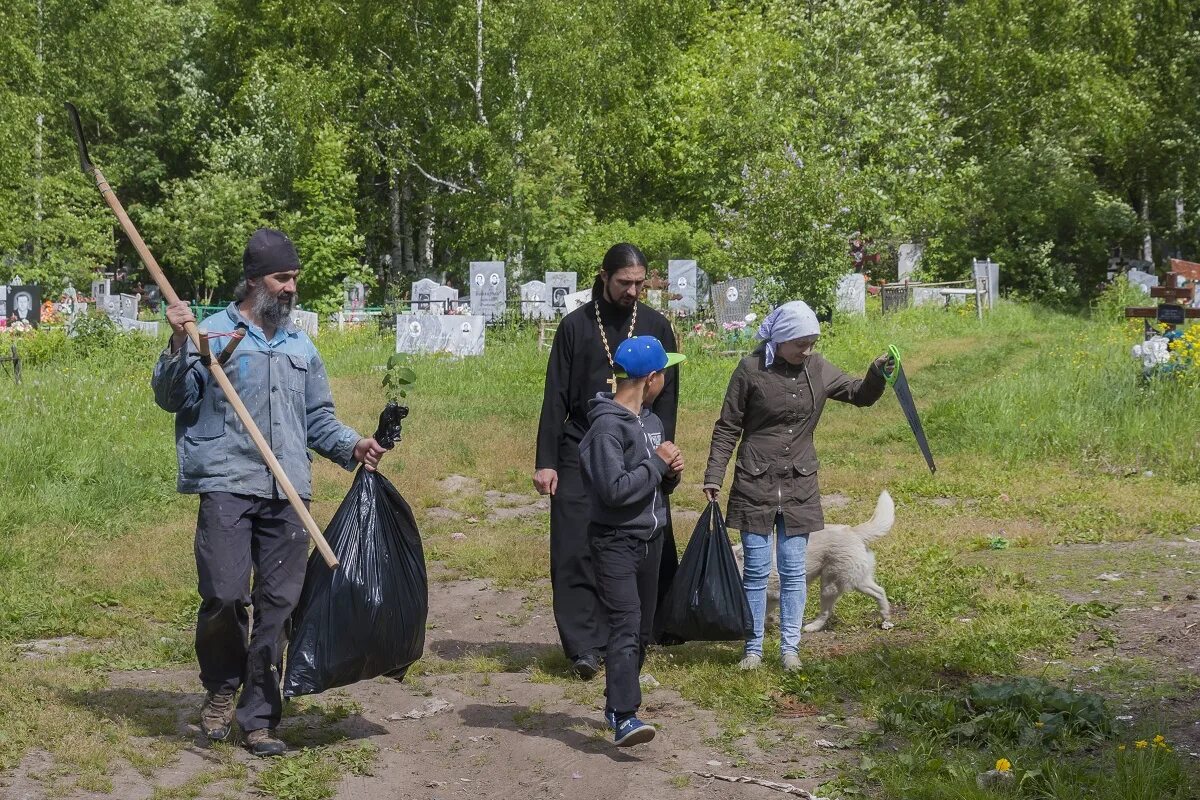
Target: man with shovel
245 521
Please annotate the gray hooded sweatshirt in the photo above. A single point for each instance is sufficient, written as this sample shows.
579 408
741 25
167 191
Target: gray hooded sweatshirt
622 474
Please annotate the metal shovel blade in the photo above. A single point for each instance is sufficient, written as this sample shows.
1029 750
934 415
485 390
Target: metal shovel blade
905 398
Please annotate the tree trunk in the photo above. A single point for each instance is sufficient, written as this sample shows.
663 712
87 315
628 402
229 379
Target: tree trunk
396 230
38 213
477 87
406 227
426 239
1147 240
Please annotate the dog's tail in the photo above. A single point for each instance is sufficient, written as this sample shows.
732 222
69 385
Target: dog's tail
881 523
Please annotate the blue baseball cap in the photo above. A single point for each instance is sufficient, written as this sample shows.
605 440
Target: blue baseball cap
640 355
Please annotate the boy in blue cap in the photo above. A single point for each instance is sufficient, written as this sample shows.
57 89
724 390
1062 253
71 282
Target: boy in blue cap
627 468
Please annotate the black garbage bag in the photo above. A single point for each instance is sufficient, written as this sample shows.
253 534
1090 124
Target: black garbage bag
365 618
706 602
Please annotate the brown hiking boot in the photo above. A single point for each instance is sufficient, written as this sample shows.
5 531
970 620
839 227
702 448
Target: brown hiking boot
216 716
264 742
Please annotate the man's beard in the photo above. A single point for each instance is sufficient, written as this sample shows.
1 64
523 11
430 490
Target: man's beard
273 310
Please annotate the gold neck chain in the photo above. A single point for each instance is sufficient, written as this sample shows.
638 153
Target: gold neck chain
604 336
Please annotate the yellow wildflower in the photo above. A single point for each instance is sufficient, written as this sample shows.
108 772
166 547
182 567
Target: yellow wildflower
1003 765
1140 744
1120 747
1159 739
1039 724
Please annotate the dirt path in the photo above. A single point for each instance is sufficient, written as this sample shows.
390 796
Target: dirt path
508 732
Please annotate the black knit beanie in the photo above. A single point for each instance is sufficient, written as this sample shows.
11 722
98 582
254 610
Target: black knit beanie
267 252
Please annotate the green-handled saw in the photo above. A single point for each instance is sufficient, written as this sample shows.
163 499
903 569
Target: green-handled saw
899 382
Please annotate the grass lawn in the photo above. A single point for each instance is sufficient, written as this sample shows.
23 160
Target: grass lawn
1056 465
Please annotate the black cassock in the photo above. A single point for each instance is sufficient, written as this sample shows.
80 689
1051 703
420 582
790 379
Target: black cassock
578 370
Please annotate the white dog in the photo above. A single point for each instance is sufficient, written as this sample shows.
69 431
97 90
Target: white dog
838 555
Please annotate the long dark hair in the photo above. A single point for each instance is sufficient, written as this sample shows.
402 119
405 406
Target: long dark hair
618 257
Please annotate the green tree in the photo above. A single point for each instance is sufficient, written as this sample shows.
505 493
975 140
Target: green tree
324 228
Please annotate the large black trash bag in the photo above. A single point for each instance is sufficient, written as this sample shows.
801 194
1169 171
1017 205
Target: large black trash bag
706 602
366 617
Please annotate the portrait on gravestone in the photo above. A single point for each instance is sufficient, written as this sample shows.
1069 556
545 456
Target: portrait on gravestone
25 305
4 302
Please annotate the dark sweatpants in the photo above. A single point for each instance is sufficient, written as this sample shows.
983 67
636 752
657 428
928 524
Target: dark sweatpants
234 533
578 611
627 579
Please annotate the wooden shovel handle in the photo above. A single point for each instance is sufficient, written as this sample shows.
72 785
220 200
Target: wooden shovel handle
223 381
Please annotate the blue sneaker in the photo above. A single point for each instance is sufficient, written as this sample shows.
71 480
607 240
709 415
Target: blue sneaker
632 731
610 717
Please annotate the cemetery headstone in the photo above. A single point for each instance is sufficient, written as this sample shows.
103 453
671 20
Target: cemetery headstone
535 302
682 280
422 297
110 304
24 305
457 334
731 299
559 285
4 302
128 306
991 270
852 294
148 328
908 261
489 289
1143 279
576 300
307 321
355 302
927 296
101 288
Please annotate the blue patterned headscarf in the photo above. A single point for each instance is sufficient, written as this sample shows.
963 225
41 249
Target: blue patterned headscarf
792 320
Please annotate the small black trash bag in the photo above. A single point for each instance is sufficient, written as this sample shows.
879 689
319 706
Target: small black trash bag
706 602
367 617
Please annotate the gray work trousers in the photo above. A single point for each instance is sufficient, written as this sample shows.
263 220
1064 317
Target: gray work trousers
234 534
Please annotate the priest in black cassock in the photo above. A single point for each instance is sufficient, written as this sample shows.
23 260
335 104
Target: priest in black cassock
580 367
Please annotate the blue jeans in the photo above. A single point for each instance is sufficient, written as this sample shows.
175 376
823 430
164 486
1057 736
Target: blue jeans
793 586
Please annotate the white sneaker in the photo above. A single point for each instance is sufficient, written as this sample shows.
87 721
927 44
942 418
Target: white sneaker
791 662
751 661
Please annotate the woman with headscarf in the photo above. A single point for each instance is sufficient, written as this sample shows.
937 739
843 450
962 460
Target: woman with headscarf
774 400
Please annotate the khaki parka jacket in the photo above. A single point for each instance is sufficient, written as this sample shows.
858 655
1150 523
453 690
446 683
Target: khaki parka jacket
773 411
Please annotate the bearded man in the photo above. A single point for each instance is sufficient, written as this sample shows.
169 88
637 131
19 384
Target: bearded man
245 522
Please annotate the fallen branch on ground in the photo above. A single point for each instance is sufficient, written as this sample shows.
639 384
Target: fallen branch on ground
786 788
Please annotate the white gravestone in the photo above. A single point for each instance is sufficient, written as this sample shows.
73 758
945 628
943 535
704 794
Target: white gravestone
422 297
991 270
560 285
731 299
535 301
682 280
489 289
457 334
909 260
852 294
1142 279
3 301
128 306
101 288
307 321
927 296
148 328
576 300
